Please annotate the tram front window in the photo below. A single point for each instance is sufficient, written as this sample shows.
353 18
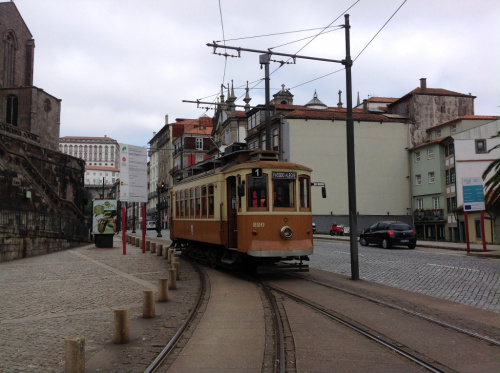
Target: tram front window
283 193
257 192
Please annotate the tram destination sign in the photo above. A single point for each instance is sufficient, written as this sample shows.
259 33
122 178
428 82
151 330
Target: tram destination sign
284 175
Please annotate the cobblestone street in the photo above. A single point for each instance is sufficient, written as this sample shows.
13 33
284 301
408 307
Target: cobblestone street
45 299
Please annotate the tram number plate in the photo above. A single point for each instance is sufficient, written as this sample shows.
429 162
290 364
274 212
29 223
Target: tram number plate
257 172
284 175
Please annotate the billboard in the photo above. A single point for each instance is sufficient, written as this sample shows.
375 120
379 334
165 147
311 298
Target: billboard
133 173
104 216
473 191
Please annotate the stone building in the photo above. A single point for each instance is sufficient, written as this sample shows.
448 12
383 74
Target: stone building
428 107
41 189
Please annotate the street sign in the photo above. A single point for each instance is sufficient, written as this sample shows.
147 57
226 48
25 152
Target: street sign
473 192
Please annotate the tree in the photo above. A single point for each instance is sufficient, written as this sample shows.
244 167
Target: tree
492 185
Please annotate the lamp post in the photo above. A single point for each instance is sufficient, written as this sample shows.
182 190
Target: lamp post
158 210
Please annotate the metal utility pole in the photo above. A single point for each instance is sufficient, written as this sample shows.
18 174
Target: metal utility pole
351 165
265 58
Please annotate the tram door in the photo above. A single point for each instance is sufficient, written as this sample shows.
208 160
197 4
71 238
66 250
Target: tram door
232 208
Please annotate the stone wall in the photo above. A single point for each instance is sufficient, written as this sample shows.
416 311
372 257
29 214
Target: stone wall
18 243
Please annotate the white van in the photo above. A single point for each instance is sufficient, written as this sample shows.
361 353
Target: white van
150 225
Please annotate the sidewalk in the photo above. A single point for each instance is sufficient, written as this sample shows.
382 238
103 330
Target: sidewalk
492 251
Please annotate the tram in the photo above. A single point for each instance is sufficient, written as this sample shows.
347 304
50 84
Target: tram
250 207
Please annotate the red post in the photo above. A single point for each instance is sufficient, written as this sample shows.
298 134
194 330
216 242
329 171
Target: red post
482 231
124 230
467 232
143 228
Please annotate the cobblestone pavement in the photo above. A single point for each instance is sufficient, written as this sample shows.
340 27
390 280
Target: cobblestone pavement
445 274
47 298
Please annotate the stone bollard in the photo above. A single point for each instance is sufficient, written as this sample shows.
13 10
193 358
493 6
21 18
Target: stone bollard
170 255
122 325
165 252
172 278
137 242
75 354
163 290
159 248
152 246
176 265
148 304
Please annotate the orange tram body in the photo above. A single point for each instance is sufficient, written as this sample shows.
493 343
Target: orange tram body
251 208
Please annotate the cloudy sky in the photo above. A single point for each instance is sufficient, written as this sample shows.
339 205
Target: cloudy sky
120 66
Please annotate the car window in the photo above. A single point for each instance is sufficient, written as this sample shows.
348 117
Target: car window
382 226
400 227
373 226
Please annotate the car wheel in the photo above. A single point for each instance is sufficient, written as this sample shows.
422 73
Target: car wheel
363 242
411 247
385 244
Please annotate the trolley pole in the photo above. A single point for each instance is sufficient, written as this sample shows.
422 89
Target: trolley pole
351 166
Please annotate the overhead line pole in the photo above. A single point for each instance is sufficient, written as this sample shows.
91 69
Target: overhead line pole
351 170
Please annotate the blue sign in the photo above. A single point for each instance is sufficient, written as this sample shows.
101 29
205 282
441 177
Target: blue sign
473 192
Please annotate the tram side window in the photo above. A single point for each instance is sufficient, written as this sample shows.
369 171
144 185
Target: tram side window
283 193
181 203
211 201
198 202
186 203
191 203
304 193
204 210
257 192
177 204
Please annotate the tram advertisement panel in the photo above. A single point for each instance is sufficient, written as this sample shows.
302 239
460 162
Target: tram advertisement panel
104 216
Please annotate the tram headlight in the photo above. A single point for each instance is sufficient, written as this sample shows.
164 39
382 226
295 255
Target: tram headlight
286 232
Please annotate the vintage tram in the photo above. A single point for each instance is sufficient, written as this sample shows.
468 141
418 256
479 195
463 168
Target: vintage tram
249 207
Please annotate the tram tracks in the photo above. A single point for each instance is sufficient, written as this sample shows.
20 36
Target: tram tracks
402 309
165 352
439 356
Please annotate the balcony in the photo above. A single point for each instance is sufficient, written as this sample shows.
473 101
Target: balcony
428 215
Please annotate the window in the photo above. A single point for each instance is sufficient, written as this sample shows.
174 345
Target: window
447 177
211 201
263 141
417 156
304 193
12 110
435 203
452 175
257 192
430 153
481 146
283 193
451 204
275 139
197 202
420 203
453 128
418 179
199 143
204 206
431 178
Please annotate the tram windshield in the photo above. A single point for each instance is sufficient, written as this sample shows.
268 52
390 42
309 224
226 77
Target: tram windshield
257 191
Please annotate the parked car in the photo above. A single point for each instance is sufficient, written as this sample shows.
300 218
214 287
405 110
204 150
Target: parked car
336 230
389 233
150 225
314 227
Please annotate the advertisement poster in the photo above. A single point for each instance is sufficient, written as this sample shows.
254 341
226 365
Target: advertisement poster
104 216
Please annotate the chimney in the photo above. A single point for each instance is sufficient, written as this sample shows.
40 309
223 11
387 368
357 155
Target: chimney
365 106
423 84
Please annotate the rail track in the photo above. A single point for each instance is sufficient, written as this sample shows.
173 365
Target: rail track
162 356
402 309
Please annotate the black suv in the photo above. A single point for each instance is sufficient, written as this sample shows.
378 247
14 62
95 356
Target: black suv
388 233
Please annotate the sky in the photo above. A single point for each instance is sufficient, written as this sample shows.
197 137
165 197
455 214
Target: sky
121 66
